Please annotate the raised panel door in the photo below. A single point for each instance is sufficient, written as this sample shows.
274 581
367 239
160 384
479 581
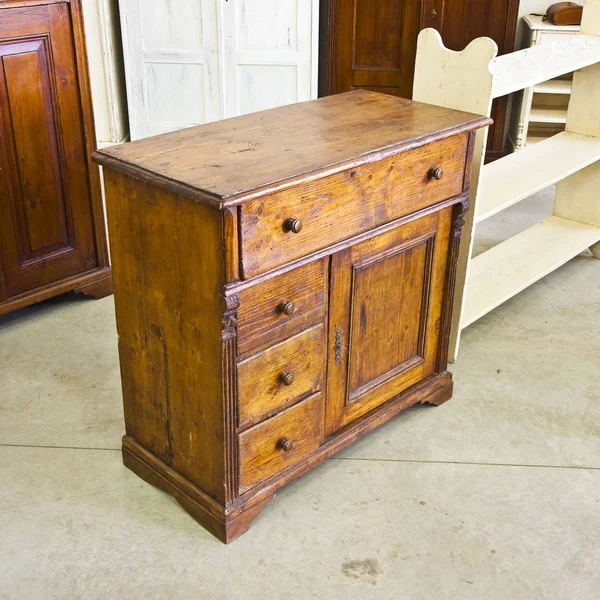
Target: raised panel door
373 45
385 309
45 199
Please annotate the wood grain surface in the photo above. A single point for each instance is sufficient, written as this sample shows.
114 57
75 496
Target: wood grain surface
169 326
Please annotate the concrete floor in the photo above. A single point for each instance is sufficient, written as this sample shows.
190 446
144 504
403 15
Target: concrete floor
494 495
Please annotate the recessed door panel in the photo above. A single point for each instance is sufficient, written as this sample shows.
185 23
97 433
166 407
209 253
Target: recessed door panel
386 324
371 49
385 310
38 198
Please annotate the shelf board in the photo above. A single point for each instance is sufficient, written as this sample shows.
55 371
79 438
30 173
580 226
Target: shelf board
527 68
548 115
517 176
554 86
513 265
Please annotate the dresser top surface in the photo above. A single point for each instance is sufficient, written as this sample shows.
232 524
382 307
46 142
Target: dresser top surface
222 162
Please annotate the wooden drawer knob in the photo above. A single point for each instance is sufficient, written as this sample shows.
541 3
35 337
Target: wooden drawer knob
287 308
293 225
285 444
435 173
286 378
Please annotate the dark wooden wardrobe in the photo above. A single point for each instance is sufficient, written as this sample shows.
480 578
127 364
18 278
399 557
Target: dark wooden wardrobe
52 236
372 45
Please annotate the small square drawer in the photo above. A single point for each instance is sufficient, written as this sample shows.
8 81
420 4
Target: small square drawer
274 309
268 448
279 376
294 222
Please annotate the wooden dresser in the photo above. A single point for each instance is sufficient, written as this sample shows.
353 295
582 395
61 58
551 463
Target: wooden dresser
283 283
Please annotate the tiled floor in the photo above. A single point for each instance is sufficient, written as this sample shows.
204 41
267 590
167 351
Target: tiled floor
494 495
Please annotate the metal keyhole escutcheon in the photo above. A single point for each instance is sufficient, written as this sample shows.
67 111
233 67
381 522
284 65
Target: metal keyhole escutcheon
337 348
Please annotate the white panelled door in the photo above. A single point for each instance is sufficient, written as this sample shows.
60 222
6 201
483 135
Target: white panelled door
194 61
270 53
171 64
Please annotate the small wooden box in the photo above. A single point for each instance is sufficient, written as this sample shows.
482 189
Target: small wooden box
283 285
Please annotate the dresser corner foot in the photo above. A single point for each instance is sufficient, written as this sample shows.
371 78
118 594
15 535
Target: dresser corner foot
241 523
441 395
203 509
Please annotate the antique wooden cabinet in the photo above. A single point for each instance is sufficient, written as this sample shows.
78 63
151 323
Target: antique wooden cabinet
52 236
283 285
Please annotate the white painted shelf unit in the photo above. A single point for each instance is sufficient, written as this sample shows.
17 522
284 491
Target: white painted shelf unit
469 81
530 122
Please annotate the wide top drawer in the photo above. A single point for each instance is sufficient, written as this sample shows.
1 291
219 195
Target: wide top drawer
309 217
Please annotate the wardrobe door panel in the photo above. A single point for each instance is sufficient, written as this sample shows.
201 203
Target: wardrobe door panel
372 45
45 205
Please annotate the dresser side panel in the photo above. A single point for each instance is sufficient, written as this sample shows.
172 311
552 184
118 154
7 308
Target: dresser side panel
168 268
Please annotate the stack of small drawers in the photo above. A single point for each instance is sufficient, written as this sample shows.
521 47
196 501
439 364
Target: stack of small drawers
281 370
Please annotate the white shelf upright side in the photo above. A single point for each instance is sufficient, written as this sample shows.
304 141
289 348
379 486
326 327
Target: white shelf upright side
578 196
461 81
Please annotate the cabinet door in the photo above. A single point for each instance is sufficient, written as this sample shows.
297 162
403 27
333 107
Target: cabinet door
386 299
271 56
171 54
46 223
